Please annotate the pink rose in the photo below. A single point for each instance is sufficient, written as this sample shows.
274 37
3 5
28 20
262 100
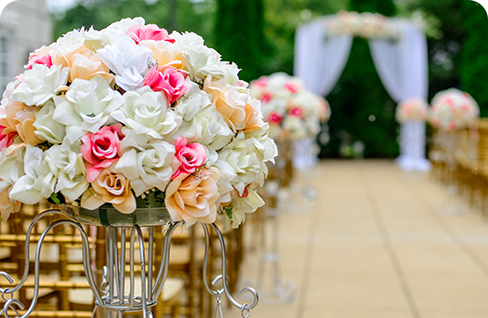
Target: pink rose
188 157
170 81
266 98
101 149
6 139
262 82
274 118
140 33
298 112
39 59
292 88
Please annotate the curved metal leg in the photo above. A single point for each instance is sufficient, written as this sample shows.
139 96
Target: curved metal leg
245 308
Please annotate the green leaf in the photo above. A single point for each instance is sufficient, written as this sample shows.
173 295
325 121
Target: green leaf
228 211
54 198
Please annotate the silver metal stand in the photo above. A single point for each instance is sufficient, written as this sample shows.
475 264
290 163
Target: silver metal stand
281 291
451 202
113 295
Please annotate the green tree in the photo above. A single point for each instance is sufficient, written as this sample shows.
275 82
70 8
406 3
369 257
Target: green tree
184 15
444 51
239 35
474 61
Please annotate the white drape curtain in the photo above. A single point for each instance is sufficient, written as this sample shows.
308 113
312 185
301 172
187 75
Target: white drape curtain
401 64
319 60
403 69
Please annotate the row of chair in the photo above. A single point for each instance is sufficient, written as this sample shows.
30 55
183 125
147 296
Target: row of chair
460 161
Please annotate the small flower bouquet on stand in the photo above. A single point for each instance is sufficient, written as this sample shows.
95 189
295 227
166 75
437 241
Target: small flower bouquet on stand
411 114
453 114
131 118
294 115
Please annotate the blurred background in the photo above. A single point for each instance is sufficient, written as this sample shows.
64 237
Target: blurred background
259 36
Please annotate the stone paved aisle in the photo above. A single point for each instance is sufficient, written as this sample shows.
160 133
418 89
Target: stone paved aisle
374 246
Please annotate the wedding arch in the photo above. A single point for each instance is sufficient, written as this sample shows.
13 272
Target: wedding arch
399 51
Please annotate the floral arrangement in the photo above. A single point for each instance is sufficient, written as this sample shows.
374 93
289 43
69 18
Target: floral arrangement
412 109
367 25
291 110
452 109
112 116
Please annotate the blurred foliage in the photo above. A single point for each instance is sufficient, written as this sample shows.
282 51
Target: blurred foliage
282 18
239 35
181 15
473 60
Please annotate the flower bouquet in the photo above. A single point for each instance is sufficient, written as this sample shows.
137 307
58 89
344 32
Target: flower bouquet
294 115
128 114
366 25
412 109
452 109
292 111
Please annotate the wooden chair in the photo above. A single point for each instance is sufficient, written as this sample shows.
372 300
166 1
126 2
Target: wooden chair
61 248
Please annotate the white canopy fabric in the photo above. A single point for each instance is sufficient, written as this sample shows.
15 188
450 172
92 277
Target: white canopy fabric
320 60
402 66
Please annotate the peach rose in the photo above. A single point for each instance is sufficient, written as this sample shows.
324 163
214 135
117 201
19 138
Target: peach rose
192 197
166 54
7 206
19 118
240 111
110 187
85 64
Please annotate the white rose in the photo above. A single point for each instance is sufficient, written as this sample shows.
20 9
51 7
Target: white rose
69 42
276 105
226 175
192 102
86 106
208 127
146 112
202 61
241 207
146 162
66 164
296 126
11 169
12 163
247 156
125 24
128 61
38 182
46 127
40 84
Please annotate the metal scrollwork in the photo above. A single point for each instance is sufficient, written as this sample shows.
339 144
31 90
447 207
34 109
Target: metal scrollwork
245 308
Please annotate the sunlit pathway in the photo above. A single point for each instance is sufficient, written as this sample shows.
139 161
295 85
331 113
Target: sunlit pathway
374 246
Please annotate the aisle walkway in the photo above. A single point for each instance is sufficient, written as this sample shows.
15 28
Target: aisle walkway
373 246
